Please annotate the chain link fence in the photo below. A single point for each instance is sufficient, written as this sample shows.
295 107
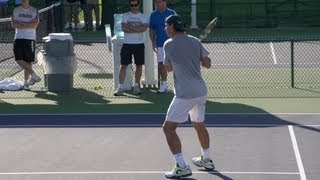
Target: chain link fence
273 67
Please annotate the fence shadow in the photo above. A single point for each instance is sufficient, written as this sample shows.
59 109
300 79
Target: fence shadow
87 109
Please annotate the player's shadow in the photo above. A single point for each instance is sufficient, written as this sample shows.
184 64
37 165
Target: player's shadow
218 174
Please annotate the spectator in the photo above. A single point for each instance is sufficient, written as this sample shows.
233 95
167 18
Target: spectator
92 5
134 23
158 36
71 10
4 8
25 19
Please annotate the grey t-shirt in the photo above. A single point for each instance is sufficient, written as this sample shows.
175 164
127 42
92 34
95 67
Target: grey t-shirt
184 53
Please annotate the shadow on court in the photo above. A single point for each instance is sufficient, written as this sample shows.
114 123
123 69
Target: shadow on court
82 108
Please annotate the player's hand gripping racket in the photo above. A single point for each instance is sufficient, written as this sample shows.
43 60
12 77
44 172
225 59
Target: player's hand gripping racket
209 28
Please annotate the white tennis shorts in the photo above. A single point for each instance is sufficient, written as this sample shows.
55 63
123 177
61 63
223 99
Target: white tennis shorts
160 54
179 109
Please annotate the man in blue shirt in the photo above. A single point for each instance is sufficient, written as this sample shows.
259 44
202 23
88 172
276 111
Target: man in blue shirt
158 36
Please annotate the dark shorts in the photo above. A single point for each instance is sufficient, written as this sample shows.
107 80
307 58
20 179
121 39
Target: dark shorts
24 49
137 50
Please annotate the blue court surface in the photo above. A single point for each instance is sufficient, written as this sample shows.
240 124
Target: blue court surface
133 146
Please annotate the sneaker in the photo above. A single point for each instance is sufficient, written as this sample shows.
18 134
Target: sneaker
163 88
119 92
136 90
179 172
26 87
200 162
34 79
69 28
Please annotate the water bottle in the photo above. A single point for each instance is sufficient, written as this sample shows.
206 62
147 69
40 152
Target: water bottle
117 25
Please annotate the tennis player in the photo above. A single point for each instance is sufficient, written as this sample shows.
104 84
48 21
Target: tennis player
25 20
184 56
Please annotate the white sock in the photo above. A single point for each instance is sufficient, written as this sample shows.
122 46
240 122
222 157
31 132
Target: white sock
136 84
120 86
179 160
206 153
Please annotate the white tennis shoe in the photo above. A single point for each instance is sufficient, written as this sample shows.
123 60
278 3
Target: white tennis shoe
205 163
178 172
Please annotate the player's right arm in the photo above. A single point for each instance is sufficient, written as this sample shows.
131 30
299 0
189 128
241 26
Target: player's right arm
206 62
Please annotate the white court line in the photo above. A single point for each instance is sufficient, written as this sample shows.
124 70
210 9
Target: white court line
151 125
274 57
297 153
141 172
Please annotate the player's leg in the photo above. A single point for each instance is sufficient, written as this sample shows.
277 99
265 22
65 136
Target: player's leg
162 71
177 113
197 114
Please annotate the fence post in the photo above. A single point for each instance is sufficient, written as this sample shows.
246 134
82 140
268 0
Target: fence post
193 14
292 62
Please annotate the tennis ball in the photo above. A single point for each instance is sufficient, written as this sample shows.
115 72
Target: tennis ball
100 87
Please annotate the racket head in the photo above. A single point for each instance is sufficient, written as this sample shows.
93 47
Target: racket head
209 28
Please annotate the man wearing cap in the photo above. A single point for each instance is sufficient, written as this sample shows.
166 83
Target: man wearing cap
184 55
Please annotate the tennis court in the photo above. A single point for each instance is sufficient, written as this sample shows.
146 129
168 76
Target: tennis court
132 146
260 126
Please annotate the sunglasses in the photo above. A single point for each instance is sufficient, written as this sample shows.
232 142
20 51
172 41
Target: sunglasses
134 5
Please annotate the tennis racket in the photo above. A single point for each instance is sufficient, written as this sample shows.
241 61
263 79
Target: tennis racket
209 28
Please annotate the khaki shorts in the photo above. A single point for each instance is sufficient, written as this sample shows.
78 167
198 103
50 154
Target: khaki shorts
179 110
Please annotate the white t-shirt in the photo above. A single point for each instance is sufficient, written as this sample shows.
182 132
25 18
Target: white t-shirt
25 15
134 20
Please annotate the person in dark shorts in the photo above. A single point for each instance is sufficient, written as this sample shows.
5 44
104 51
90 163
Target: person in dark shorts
134 23
25 20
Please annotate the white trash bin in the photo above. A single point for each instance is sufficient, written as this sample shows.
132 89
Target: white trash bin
58 61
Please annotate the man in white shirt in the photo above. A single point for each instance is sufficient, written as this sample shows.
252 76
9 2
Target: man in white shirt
25 20
134 23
